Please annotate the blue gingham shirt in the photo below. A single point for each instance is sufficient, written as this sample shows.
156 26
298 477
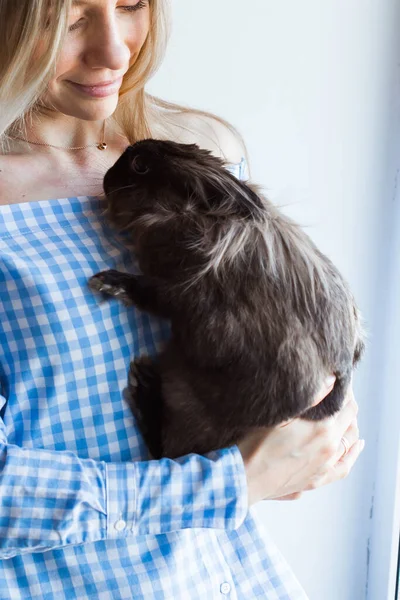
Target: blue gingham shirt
84 512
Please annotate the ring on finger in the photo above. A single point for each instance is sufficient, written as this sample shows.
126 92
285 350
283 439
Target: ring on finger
346 446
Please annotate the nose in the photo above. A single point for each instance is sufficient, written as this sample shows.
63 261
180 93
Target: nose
107 47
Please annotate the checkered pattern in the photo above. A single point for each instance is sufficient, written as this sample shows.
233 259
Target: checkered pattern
84 513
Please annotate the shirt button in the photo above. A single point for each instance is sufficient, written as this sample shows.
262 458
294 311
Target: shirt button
225 588
120 525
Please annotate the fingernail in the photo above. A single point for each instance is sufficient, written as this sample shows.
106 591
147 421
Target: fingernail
330 381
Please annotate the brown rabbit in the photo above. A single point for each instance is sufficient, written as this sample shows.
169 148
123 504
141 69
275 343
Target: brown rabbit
259 315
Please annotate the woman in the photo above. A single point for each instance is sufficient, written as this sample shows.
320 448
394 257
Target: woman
84 513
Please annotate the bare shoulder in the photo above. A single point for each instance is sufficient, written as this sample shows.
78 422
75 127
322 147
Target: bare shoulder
8 179
209 133
19 177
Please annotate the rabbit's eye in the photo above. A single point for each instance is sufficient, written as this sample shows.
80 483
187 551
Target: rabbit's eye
139 165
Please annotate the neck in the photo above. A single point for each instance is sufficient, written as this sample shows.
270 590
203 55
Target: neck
66 132
62 131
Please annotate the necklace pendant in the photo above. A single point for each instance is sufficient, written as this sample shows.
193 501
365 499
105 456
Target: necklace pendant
102 146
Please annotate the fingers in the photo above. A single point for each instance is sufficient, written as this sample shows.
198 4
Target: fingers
340 469
342 426
350 436
347 414
346 463
349 394
294 496
325 389
285 423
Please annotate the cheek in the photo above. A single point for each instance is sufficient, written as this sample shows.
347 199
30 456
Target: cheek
66 61
136 37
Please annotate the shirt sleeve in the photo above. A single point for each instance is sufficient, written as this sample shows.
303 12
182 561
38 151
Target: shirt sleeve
239 170
244 171
50 499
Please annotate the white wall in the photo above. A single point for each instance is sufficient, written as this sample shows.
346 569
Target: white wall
310 84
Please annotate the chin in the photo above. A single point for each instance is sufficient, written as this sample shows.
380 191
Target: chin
92 110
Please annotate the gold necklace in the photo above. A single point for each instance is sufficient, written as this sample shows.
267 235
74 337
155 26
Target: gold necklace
100 145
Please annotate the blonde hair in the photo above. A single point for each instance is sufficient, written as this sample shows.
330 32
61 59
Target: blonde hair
23 81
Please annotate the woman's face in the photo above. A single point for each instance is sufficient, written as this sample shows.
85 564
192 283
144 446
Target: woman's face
103 41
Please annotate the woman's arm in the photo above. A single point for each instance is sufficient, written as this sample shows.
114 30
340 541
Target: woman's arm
50 499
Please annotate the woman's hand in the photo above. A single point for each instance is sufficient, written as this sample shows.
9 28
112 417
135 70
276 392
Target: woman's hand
299 455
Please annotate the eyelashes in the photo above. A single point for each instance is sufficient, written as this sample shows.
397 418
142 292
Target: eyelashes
133 8
138 6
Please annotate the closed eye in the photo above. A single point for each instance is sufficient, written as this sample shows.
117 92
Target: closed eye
132 8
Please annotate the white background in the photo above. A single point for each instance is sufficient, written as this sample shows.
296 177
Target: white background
313 87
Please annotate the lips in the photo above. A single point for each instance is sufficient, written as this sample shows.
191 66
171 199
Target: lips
99 84
98 90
